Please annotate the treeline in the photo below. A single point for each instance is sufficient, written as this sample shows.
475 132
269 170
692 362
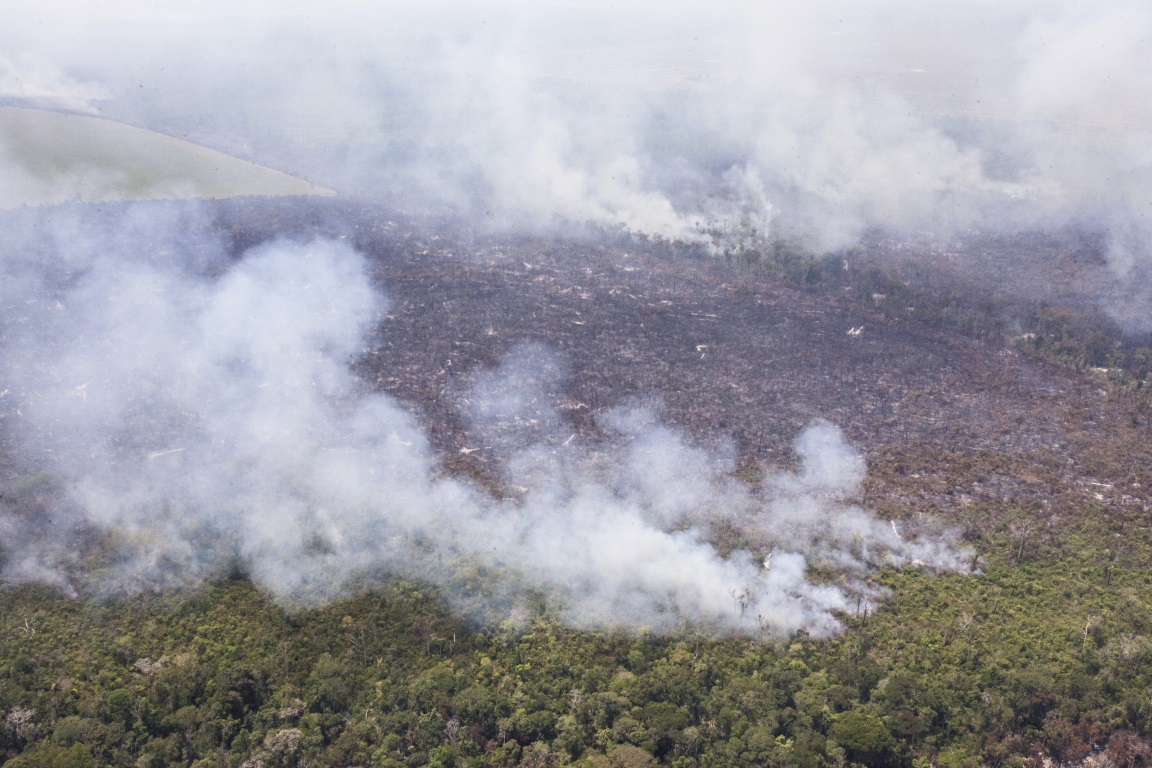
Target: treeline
1037 657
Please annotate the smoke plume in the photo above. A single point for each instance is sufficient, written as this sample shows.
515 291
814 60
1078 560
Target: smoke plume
184 413
716 123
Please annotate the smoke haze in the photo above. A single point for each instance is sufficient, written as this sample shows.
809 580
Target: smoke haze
199 415
200 411
839 116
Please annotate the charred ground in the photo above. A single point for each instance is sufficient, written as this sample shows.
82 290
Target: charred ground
956 417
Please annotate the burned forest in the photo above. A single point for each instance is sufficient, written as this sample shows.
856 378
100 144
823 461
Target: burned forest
966 502
605 385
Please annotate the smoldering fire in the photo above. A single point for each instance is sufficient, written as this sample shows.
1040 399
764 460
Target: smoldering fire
201 412
197 411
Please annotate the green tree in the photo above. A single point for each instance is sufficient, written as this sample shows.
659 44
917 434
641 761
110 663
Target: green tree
863 735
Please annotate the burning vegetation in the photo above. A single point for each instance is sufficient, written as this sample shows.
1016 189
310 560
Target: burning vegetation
698 385
443 458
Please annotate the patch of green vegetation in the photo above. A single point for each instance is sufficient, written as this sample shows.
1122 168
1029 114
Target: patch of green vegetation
1044 652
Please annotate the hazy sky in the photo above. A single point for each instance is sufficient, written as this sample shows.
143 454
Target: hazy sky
703 121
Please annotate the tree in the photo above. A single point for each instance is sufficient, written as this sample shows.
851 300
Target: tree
628 756
864 736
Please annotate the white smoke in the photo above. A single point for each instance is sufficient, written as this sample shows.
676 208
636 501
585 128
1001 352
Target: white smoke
716 123
199 414
39 83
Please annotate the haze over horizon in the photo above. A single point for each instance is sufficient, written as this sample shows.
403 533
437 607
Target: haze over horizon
816 122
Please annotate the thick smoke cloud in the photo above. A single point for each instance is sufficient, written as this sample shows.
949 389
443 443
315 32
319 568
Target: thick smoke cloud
883 113
719 123
189 414
198 415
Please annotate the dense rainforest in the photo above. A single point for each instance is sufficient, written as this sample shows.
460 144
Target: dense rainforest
1046 653
1042 654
